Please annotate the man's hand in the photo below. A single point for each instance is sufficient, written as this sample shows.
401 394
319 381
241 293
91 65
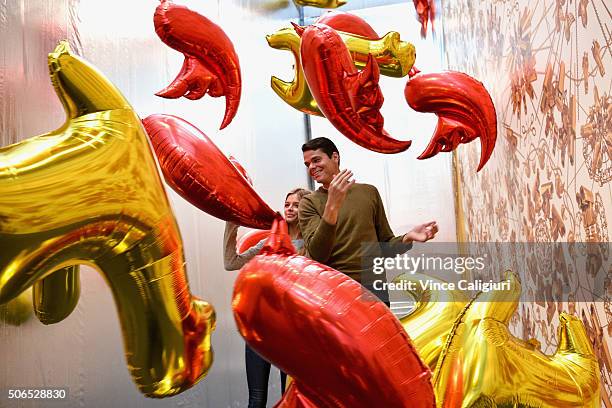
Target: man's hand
336 194
421 233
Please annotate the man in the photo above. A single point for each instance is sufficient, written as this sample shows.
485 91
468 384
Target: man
341 216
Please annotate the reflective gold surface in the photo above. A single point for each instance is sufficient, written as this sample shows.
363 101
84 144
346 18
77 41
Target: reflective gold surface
296 93
432 319
483 365
89 193
394 57
17 311
56 296
320 3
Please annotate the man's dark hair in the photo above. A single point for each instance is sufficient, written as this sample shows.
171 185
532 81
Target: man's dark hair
322 143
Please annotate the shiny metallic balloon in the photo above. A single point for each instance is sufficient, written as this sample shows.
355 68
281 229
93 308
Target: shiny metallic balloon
342 346
464 108
433 317
350 99
482 364
198 171
393 56
426 13
211 64
18 310
347 22
56 296
250 239
321 3
240 168
296 92
89 193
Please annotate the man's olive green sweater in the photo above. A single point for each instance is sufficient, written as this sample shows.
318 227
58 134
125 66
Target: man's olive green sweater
361 220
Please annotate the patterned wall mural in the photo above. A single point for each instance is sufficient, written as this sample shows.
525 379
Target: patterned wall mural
547 65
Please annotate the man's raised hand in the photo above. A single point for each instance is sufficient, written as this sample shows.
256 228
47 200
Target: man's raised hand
338 188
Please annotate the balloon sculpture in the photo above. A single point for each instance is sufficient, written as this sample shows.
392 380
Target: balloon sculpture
250 239
56 296
347 348
349 23
394 57
464 108
426 11
211 64
433 317
350 99
90 193
320 3
198 171
482 364
241 169
17 311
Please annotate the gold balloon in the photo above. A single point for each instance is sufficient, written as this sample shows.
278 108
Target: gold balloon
89 193
320 3
17 311
394 57
296 93
432 319
483 365
56 296
268 6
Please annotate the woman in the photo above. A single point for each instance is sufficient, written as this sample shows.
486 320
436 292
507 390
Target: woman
258 369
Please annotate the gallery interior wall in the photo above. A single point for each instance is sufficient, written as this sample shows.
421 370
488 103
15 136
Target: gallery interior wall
547 65
85 351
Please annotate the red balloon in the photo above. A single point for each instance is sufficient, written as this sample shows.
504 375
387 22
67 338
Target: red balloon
349 23
464 108
348 98
342 346
200 173
250 239
426 11
211 63
241 169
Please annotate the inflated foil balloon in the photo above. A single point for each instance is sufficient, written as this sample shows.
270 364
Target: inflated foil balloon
432 319
250 239
90 193
241 169
464 108
211 63
342 346
349 99
483 365
200 173
426 12
56 296
347 22
394 57
18 310
320 3
265 6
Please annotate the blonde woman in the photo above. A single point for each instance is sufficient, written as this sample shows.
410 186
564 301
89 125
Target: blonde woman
258 369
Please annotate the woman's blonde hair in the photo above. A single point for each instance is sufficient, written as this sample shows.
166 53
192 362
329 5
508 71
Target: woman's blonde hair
300 192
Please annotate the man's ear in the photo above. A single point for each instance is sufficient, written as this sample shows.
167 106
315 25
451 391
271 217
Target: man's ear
336 157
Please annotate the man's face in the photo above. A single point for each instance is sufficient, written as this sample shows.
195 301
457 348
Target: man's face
320 166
